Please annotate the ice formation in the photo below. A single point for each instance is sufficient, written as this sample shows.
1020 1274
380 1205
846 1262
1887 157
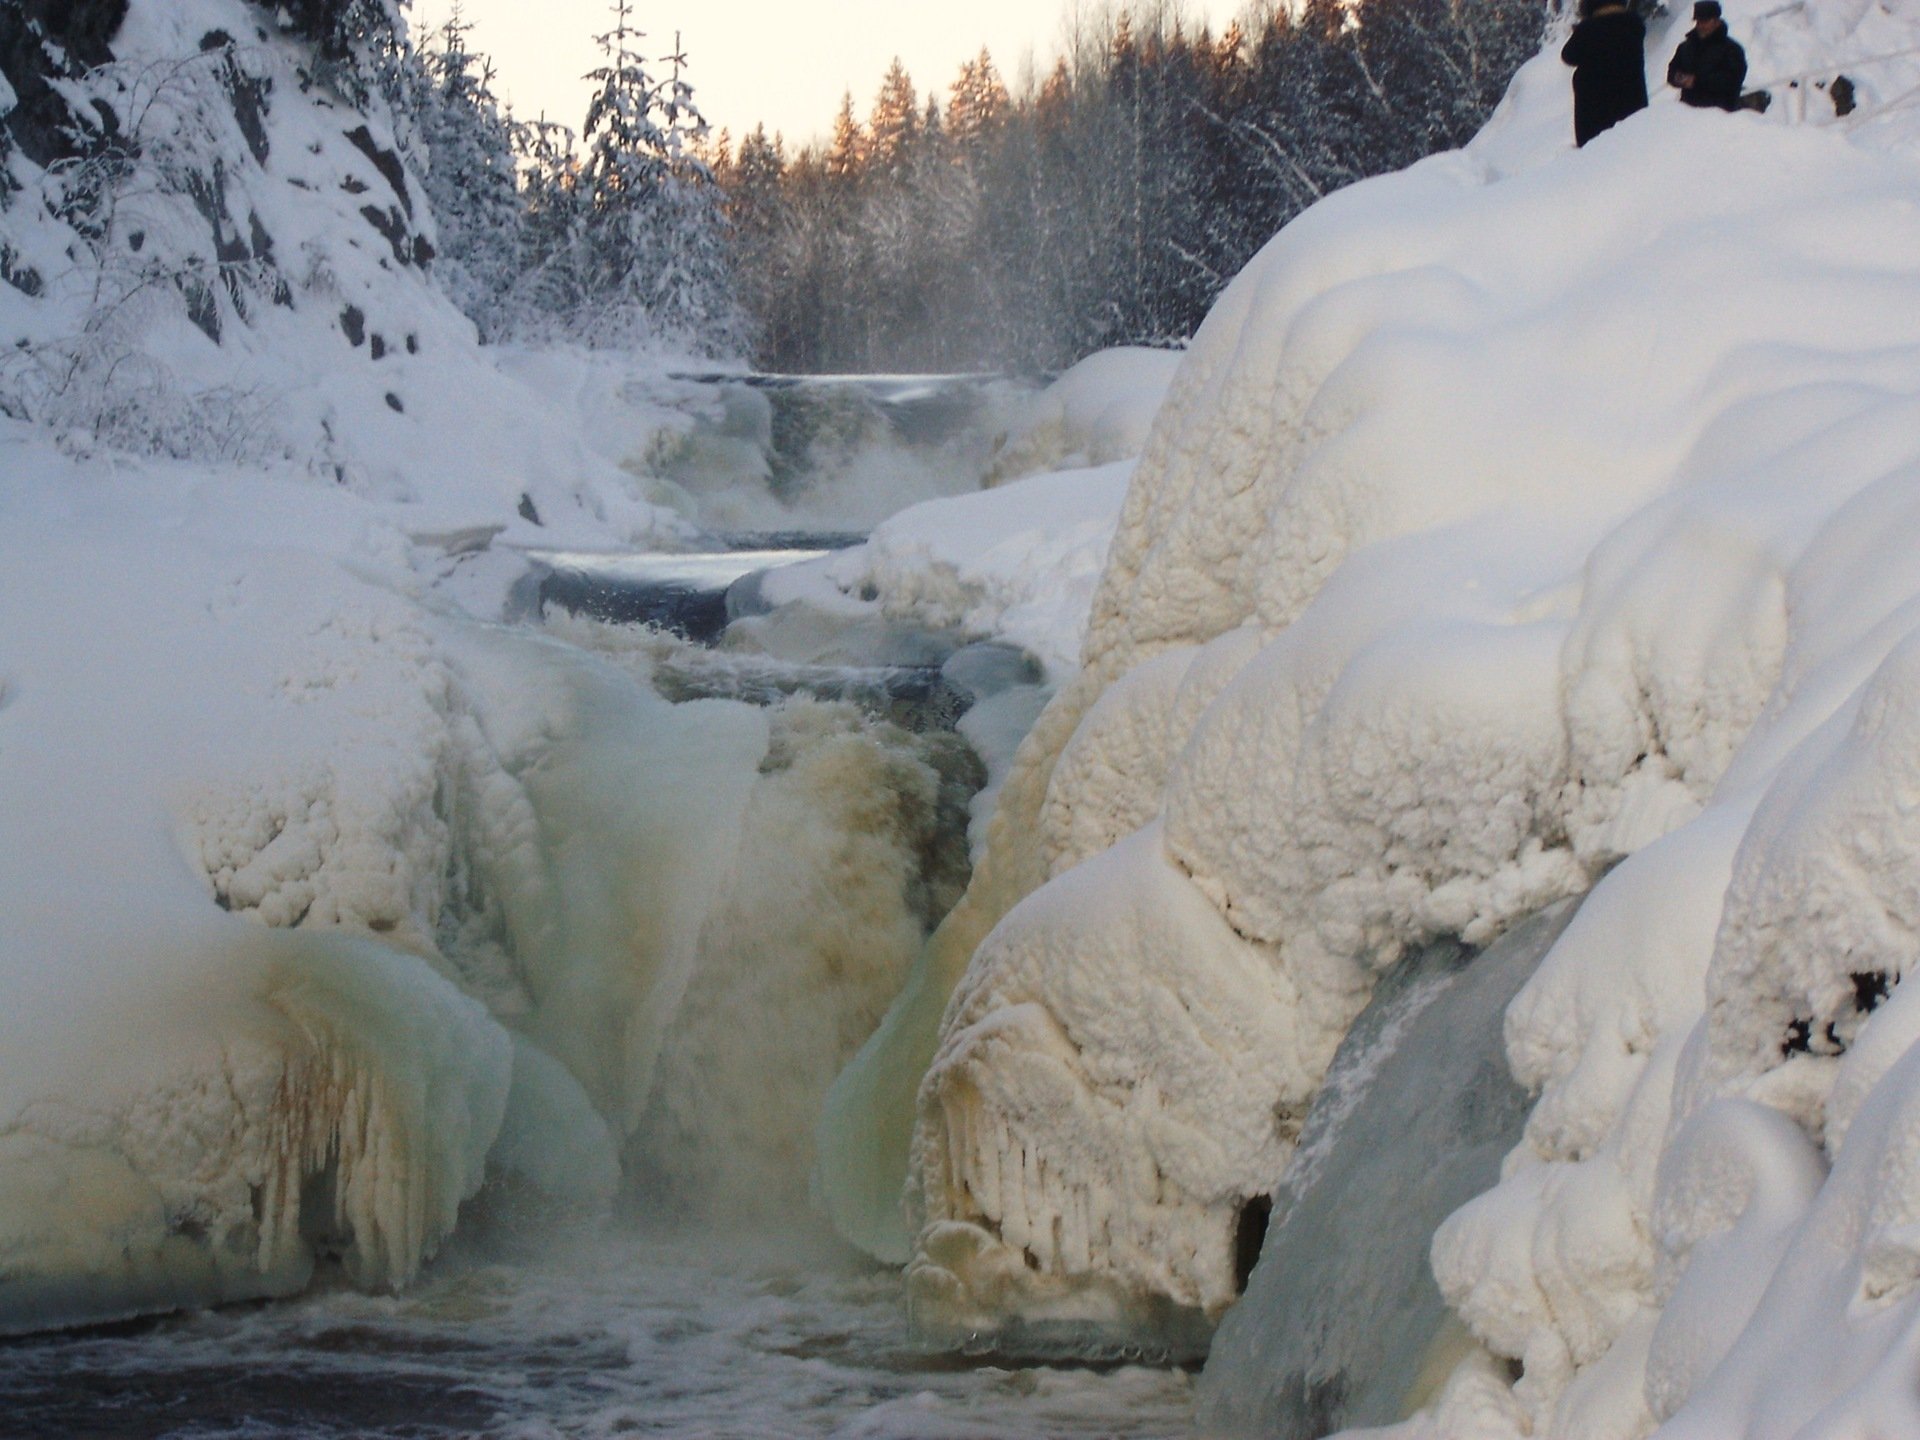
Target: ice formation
324 905
1342 1322
1526 518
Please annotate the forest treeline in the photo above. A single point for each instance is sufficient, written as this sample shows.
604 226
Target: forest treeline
1106 201
1109 201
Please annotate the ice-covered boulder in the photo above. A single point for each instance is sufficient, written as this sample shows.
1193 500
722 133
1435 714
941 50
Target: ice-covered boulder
1101 410
1507 515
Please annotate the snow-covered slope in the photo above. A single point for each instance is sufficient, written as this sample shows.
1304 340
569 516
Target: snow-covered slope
1515 514
232 261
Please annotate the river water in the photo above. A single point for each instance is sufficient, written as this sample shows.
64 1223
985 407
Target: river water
526 1329
610 1332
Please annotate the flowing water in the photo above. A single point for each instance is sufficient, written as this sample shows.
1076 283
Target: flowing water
748 1321
614 1332
1341 1317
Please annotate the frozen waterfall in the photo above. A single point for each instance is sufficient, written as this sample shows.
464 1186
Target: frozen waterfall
1342 1321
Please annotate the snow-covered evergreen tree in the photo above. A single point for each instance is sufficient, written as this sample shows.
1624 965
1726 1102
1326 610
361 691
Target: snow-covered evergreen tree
471 182
977 103
644 230
847 151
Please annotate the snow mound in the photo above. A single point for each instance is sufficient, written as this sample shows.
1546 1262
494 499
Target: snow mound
1099 411
1018 563
1474 550
193 1105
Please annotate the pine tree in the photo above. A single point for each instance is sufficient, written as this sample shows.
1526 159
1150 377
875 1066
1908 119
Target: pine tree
894 126
847 153
471 183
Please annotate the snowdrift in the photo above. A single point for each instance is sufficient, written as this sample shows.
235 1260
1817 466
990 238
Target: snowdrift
1525 515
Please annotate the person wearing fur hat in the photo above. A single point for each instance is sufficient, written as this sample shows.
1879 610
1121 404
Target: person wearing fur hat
1709 67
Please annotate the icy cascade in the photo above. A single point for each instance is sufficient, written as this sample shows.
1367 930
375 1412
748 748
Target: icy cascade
1464 558
320 906
1417 1109
772 453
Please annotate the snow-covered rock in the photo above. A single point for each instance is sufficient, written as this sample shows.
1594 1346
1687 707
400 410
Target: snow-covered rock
1507 515
1099 411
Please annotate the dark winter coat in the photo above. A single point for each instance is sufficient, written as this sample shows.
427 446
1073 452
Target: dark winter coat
1608 53
1718 66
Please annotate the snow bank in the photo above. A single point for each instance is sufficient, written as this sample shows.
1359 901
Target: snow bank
192 1104
1098 412
1475 549
1018 563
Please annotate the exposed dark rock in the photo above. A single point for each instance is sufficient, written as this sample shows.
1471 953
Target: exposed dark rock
249 96
393 404
1870 987
353 324
202 308
42 124
393 228
83 28
1799 1038
386 162
1249 1234
22 277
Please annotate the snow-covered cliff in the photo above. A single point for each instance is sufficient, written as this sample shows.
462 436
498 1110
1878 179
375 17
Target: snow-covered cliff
1525 515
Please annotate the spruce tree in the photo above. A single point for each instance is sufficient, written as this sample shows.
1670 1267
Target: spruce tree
894 126
652 232
471 182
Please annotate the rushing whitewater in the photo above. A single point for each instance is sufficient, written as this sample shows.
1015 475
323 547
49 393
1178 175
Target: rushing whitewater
1527 524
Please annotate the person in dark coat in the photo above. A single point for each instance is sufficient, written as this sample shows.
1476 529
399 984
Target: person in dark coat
1608 53
1709 67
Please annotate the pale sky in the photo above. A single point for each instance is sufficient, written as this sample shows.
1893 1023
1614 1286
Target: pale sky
782 61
